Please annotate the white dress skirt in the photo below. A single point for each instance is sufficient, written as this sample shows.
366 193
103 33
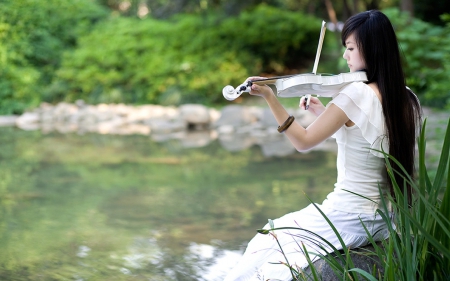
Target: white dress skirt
263 257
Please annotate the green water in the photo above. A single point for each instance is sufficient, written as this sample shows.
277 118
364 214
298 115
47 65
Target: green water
101 207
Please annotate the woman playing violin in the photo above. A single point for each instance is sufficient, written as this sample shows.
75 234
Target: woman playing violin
381 114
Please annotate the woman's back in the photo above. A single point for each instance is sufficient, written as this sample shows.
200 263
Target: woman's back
360 165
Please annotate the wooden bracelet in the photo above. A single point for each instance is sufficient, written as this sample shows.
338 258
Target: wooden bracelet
286 124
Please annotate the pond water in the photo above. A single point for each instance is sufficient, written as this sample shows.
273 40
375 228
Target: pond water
102 207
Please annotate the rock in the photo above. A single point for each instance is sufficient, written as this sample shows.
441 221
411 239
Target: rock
277 146
159 111
197 138
238 116
236 127
363 258
303 117
110 126
28 121
9 120
267 119
160 126
195 114
214 115
236 142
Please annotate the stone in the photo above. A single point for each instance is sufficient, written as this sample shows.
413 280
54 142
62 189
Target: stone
195 114
278 146
363 258
9 120
192 139
236 127
236 142
237 116
28 121
166 126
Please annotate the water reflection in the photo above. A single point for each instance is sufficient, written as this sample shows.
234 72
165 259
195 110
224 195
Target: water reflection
199 262
102 207
271 144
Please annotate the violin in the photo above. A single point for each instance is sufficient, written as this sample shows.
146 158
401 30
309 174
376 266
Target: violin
325 85
298 85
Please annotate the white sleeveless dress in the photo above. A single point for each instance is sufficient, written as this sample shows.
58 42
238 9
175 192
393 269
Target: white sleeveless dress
361 170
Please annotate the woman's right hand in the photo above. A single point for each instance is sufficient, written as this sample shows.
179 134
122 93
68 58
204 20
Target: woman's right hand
315 105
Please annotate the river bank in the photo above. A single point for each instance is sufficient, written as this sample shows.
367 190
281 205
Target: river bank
236 126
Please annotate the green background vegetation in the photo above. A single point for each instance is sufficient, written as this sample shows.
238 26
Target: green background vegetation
107 52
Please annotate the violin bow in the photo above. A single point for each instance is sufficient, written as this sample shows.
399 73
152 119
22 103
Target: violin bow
316 61
230 93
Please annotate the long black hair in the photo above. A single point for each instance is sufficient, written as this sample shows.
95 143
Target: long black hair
378 45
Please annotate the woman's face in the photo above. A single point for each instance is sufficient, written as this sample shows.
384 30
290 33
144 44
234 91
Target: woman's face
352 55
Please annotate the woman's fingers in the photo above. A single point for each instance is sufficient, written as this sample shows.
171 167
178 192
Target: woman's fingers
302 102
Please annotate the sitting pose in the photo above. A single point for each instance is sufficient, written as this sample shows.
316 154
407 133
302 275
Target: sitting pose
381 114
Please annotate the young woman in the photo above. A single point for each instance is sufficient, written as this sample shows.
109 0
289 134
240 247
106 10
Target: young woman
365 118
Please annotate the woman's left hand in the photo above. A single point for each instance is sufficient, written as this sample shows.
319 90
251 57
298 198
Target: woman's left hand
260 90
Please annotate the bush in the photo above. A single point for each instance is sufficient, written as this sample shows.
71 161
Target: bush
33 35
427 51
60 50
188 58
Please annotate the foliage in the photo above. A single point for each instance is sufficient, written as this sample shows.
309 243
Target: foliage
428 11
419 246
431 11
67 50
187 59
32 39
429 221
427 51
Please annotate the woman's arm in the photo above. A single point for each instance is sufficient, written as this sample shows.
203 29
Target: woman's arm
327 123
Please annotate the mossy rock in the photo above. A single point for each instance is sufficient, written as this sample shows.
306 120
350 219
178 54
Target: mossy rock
363 258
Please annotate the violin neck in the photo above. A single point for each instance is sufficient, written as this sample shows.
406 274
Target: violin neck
271 80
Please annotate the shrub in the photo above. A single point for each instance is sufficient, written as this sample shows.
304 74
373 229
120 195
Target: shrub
188 58
427 51
33 35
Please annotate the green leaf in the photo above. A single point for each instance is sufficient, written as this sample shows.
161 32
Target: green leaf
367 275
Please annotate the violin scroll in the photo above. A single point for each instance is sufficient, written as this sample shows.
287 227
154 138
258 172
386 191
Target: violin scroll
231 93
